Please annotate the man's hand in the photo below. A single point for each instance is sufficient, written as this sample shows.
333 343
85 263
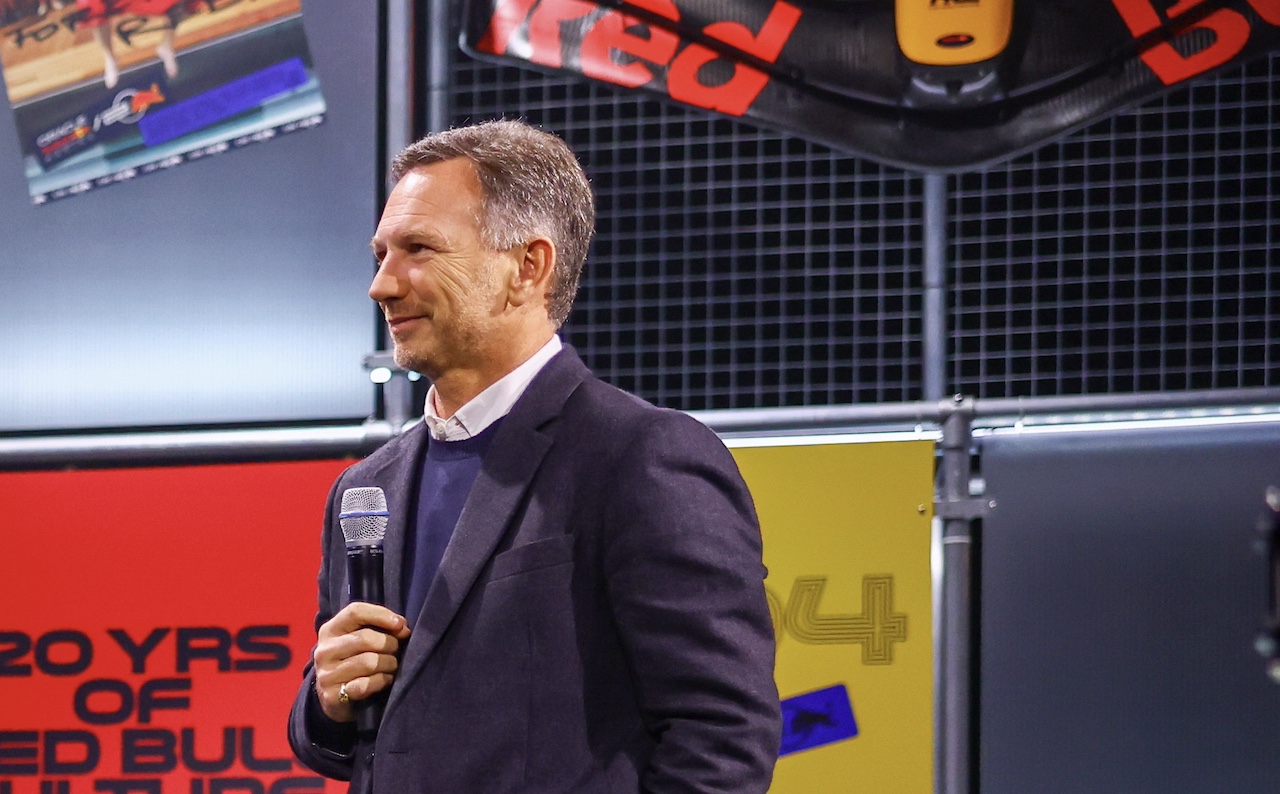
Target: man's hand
357 647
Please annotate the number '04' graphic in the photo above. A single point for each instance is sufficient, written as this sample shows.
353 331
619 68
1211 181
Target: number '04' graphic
876 628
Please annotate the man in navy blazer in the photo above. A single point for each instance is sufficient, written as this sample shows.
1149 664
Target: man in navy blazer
575 597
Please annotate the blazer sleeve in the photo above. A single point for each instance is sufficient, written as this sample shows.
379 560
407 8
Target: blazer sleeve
682 560
323 745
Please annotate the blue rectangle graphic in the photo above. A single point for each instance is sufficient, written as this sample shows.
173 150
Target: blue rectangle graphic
817 718
222 102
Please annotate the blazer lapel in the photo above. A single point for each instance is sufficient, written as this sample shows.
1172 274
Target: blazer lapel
508 470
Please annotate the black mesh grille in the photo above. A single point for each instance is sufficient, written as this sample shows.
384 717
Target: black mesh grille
739 268
1136 255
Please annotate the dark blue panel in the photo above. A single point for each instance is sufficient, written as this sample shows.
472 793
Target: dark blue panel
230 289
817 718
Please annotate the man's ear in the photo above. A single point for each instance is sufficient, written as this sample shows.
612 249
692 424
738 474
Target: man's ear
535 269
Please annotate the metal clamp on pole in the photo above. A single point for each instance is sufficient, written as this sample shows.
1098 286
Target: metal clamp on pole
957 509
397 388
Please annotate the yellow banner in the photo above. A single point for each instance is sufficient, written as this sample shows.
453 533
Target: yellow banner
846 540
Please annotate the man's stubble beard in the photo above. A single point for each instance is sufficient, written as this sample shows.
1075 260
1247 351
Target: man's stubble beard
465 344
465 335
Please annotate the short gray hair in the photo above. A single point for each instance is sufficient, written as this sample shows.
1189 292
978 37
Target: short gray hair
531 185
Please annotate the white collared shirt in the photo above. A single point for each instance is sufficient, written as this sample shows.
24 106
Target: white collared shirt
491 404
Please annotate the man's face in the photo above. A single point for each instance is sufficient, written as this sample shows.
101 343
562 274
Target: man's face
439 287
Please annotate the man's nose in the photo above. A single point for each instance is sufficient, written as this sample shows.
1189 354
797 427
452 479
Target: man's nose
386 284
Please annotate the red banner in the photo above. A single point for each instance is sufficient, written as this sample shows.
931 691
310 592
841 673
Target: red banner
154 627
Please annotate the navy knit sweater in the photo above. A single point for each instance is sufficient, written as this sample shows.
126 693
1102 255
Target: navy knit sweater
448 472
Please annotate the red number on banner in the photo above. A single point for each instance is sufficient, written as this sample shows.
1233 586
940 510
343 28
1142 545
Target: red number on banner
15 645
77 665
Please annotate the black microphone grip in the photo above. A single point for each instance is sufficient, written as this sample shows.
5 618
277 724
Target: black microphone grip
364 583
364 574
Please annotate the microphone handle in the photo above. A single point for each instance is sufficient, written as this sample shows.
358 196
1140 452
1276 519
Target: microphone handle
364 574
364 583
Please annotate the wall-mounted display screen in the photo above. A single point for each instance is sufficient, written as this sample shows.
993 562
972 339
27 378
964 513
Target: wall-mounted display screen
105 91
227 290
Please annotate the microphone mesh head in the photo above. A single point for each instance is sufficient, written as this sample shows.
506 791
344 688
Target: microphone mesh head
363 516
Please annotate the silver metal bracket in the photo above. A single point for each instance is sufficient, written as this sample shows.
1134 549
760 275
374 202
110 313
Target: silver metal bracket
397 387
963 509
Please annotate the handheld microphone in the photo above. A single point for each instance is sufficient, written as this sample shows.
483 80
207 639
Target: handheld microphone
363 517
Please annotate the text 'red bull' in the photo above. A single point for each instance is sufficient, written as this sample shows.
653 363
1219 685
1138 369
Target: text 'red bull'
614 33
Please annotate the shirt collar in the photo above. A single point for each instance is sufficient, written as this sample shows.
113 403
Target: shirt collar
491 404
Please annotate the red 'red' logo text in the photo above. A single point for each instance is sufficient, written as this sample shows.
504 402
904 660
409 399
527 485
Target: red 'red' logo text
645 46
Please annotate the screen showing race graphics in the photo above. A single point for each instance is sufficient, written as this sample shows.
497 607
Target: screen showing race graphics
109 90
189 275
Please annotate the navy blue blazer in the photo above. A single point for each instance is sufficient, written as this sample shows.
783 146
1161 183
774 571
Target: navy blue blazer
598 622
